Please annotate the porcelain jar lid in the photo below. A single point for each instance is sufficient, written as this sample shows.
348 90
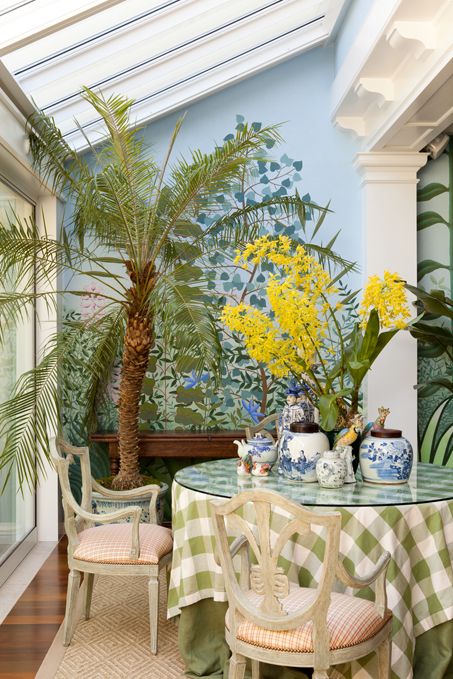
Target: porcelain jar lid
386 433
304 427
259 439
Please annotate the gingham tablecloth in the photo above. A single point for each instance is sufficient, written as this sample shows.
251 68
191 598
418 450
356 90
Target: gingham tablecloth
419 538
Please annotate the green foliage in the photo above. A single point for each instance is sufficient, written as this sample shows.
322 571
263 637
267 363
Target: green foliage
436 443
129 217
438 338
257 204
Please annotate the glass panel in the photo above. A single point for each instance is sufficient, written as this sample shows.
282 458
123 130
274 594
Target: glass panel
17 510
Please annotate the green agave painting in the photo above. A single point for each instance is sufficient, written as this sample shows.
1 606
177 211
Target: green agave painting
435 272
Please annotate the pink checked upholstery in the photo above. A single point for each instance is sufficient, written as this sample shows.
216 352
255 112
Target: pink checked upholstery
112 544
350 620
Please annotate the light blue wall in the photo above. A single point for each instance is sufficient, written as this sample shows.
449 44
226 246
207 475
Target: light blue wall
295 93
350 27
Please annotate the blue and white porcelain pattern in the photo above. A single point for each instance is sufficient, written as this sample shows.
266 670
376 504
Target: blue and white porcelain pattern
386 460
257 455
331 469
298 454
104 505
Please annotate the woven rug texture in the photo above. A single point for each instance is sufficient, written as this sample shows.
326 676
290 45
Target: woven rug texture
114 642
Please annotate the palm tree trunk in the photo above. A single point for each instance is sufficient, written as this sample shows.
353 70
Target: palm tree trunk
138 342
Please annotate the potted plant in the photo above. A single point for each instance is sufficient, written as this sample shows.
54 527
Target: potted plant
133 233
301 333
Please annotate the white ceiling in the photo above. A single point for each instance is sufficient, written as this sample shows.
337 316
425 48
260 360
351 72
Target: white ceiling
162 53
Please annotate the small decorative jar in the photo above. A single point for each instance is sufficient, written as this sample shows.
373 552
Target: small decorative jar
299 450
386 457
331 469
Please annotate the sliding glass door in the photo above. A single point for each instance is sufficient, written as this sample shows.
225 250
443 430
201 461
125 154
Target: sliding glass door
17 509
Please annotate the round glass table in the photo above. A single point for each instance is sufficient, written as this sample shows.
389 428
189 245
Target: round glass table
428 483
413 522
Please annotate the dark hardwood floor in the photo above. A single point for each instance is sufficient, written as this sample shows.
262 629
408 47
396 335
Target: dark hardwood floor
29 629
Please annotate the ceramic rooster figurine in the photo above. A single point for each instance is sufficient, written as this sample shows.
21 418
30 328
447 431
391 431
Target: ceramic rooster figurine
346 437
379 422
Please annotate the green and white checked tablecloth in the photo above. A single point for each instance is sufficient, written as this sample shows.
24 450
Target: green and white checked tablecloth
418 535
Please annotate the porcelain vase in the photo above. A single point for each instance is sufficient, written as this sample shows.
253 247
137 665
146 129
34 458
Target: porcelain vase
331 469
299 450
386 457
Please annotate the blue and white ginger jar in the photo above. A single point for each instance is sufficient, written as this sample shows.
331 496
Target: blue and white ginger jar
386 457
299 450
331 469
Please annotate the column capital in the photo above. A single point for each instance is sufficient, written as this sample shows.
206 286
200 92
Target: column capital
397 167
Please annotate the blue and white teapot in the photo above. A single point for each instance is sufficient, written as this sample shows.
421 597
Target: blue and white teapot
257 455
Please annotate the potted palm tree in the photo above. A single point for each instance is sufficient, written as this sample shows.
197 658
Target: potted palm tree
133 231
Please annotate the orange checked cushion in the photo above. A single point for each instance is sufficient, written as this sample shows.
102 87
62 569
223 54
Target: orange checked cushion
350 620
112 544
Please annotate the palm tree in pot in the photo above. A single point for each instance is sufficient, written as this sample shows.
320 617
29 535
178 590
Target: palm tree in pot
133 230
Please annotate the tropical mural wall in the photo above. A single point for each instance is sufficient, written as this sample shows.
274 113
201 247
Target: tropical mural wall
435 271
316 159
176 398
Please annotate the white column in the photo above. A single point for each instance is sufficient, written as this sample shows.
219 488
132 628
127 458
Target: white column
389 217
47 491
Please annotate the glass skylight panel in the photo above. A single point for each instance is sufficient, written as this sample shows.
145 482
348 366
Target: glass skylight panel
160 52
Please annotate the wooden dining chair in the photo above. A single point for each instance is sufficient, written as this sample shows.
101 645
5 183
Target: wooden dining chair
112 548
274 621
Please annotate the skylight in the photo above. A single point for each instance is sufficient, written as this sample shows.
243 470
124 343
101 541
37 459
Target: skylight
162 53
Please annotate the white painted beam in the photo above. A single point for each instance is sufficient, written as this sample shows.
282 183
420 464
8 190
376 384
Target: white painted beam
22 26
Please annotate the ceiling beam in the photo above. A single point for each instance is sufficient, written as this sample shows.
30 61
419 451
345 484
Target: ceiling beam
41 30
15 93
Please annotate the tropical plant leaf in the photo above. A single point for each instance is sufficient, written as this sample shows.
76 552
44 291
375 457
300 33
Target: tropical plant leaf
427 219
431 191
430 435
427 266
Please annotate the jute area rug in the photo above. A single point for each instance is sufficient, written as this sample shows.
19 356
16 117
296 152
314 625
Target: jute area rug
114 642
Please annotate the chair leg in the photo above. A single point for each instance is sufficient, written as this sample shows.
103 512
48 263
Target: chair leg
255 669
237 666
384 653
153 592
71 600
88 594
320 674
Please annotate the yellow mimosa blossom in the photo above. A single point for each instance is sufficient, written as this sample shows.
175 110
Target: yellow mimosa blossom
290 338
388 296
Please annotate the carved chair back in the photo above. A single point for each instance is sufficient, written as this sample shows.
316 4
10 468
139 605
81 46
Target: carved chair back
63 455
265 577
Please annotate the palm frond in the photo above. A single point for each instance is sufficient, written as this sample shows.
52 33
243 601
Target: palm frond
17 307
194 183
53 159
186 319
34 409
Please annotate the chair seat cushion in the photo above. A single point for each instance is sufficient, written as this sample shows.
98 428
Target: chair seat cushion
112 544
351 621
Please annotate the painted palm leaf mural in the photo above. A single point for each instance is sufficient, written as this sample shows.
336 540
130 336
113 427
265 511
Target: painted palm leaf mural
435 275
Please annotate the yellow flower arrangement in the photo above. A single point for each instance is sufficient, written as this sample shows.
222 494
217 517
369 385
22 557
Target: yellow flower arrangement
300 334
388 297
